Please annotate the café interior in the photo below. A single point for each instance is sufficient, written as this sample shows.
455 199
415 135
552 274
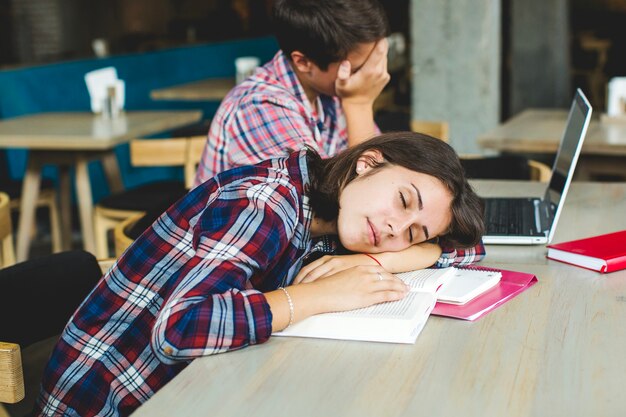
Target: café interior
105 108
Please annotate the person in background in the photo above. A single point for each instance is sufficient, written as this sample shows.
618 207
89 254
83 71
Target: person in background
219 270
317 91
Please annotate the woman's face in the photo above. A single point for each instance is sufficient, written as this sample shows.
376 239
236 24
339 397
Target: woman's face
391 208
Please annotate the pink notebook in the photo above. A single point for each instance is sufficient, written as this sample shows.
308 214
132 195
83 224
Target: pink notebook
511 284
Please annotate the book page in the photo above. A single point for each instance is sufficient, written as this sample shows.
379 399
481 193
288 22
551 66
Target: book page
405 308
394 322
428 280
466 284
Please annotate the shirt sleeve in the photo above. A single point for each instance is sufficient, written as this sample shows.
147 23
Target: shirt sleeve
460 257
211 307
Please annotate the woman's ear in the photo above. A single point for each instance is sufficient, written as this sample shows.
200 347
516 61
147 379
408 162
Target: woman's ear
368 159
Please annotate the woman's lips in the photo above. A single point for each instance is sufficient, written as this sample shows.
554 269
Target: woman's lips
373 234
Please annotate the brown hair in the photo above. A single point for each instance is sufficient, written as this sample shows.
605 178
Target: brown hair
325 31
414 151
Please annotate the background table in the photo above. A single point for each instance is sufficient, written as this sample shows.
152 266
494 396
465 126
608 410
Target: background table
72 140
539 131
556 349
213 89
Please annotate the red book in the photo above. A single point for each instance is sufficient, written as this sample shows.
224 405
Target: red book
603 253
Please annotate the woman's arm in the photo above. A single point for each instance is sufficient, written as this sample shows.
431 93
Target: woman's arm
351 288
417 256
210 305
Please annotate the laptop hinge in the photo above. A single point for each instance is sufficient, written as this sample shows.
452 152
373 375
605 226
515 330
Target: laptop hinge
545 215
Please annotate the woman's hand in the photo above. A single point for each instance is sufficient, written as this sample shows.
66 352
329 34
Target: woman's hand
330 264
357 287
353 287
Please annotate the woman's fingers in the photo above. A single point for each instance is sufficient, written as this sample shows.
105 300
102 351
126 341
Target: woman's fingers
384 281
329 265
311 272
316 273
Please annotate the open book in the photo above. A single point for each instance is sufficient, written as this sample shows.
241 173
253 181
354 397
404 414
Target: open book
398 321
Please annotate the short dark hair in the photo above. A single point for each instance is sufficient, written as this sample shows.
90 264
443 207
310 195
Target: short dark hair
414 151
327 30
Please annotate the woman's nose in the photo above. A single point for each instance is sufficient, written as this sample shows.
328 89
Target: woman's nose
400 224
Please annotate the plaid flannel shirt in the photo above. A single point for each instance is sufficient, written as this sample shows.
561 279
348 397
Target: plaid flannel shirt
269 115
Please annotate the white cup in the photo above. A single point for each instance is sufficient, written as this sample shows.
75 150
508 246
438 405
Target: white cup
245 66
100 47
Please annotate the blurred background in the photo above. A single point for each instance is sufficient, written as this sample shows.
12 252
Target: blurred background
471 63
494 56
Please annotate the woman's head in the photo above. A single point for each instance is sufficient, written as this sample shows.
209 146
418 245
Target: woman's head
395 190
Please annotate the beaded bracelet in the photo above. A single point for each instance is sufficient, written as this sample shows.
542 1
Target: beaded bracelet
375 260
290 305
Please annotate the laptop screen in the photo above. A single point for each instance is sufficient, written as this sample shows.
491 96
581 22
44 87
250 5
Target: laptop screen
567 155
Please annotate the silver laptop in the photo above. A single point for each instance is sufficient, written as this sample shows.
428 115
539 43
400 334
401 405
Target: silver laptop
531 220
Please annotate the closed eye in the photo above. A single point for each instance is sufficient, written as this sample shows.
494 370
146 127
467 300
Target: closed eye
402 199
405 205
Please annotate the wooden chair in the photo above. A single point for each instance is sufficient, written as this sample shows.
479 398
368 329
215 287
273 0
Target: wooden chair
122 233
195 147
539 171
47 198
7 254
436 129
115 208
126 231
37 297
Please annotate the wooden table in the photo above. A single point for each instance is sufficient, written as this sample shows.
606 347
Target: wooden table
213 89
556 349
539 131
72 140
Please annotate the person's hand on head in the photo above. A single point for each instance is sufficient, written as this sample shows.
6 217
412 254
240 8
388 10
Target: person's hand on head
363 86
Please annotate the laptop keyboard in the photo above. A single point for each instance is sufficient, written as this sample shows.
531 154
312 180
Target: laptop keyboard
510 216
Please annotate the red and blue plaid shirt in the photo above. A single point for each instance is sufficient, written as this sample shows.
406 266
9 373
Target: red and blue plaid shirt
191 285
269 115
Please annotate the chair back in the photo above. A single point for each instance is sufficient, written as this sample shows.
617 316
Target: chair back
185 152
123 236
158 152
539 171
436 129
7 252
195 147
